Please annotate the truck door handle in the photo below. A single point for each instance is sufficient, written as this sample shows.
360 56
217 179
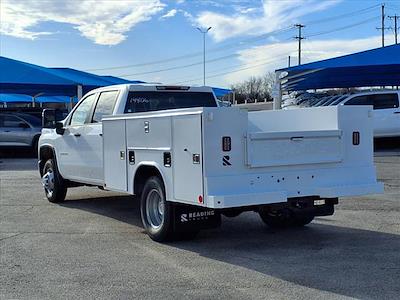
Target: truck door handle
77 134
397 112
296 138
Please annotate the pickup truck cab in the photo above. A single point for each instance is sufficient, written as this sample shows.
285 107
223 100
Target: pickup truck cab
189 160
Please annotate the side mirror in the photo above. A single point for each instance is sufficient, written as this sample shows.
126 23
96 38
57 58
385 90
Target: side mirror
60 128
49 118
23 125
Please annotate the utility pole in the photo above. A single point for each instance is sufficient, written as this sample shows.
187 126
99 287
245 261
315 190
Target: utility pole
395 17
204 32
383 28
299 38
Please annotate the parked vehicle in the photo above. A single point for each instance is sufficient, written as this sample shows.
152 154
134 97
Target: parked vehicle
189 161
19 130
386 110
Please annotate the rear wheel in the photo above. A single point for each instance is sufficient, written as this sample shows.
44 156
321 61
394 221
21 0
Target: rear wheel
284 218
53 183
155 211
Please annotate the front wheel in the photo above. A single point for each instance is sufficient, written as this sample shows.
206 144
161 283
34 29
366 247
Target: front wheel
155 211
53 184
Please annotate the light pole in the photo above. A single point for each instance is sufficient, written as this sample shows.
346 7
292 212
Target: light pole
204 32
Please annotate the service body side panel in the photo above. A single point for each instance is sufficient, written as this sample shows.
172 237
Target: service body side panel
114 152
187 158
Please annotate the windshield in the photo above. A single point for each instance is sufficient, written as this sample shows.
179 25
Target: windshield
152 101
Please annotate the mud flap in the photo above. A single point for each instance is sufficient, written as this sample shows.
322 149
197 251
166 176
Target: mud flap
194 218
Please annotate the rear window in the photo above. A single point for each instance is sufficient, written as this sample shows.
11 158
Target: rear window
152 101
382 101
378 101
360 100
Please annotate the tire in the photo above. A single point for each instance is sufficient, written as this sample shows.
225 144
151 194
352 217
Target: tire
284 218
156 212
300 221
53 184
35 145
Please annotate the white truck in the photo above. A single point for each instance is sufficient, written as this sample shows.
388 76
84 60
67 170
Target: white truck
189 161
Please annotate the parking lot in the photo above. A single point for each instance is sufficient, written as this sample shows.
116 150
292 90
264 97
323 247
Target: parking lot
93 246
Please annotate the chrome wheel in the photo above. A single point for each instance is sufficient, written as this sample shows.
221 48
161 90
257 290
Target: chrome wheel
48 182
154 209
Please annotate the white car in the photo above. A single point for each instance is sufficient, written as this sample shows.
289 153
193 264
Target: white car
386 114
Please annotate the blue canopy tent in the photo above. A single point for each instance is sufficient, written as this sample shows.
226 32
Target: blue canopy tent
376 67
17 77
219 92
21 98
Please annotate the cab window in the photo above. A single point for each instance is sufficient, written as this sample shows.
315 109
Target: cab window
360 100
153 101
105 105
82 112
383 101
378 101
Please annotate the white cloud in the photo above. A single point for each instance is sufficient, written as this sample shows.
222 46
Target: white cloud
270 16
169 14
275 56
104 22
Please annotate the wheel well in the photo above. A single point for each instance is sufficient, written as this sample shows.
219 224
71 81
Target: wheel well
45 153
142 174
35 139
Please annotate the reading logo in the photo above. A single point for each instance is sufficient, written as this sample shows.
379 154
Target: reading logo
197 216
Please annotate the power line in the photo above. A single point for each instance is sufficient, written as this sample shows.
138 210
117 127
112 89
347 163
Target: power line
342 28
194 64
279 58
350 14
181 66
231 45
195 54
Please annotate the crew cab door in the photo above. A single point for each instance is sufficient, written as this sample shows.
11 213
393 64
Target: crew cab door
72 159
93 136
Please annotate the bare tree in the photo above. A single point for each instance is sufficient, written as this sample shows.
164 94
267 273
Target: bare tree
255 89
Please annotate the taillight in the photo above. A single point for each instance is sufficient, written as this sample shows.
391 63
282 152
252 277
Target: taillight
226 143
356 138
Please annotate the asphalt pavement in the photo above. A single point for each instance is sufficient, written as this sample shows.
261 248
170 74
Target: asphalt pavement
93 246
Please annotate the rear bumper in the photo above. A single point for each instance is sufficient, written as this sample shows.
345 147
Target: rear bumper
251 199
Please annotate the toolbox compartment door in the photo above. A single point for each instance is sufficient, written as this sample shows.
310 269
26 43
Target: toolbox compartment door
267 149
187 160
114 155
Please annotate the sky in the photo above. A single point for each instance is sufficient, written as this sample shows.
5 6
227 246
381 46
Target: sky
158 40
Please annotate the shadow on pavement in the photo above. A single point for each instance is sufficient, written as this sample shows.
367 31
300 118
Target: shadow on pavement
121 208
345 261
16 152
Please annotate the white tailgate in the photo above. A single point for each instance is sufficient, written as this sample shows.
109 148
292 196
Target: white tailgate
266 149
114 155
